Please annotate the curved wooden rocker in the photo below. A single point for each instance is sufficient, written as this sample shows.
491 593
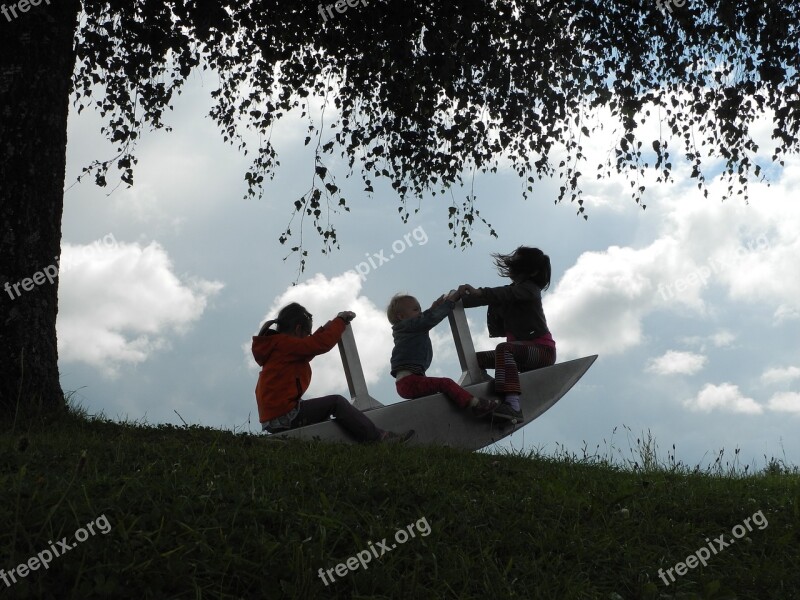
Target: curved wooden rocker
435 418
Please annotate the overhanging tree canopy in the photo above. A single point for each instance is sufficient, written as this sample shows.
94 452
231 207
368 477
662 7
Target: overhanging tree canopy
426 90
423 92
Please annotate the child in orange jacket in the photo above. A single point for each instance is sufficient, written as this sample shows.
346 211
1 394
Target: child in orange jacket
285 356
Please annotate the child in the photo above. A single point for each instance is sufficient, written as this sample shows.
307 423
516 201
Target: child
515 311
284 356
413 353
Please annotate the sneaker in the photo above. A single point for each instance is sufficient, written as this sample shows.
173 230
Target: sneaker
484 407
504 411
390 437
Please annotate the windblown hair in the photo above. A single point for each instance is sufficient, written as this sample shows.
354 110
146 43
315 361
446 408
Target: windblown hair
394 305
289 317
525 262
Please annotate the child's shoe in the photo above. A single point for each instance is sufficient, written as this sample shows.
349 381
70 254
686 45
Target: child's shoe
390 437
484 407
504 411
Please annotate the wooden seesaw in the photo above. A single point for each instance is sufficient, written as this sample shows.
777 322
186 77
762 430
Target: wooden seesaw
436 419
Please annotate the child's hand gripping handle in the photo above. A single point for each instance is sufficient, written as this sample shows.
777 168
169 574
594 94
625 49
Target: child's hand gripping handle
467 290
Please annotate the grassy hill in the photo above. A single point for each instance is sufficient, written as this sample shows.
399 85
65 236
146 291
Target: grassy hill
166 512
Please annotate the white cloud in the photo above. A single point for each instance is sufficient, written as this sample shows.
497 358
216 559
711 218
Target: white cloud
751 249
746 250
599 304
726 397
674 362
780 375
443 350
119 303
701 245
723 338
786 312
785 402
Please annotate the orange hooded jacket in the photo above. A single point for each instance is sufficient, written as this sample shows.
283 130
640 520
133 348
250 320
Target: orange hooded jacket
285 366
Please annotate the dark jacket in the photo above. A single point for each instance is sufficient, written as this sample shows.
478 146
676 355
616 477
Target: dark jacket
412 343
515 309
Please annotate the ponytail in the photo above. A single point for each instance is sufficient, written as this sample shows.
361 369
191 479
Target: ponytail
265 327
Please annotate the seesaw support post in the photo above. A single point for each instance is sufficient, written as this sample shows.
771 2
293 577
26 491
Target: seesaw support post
356 382
471 373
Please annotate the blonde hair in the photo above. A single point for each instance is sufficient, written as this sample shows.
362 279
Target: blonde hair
394 306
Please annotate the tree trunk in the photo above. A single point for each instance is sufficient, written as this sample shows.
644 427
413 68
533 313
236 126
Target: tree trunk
36 63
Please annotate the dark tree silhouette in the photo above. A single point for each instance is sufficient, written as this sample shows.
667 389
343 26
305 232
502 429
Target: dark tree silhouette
417 93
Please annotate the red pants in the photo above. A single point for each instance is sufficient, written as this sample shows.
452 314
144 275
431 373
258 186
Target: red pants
509 358
416 386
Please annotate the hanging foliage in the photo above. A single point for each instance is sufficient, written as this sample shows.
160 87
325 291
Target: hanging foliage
420 93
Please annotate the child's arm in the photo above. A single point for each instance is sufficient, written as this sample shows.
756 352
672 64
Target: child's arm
429 318
471 297
437 302
319 342
452 295
504 294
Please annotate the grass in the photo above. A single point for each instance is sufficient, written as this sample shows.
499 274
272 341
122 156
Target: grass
203 513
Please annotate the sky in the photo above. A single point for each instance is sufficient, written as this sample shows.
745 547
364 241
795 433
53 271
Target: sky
693 305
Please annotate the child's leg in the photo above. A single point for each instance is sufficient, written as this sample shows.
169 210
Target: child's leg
537 356
317 410
513 357
486 359
506 374
416 386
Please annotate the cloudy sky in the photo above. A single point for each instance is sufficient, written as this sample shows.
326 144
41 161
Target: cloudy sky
693 305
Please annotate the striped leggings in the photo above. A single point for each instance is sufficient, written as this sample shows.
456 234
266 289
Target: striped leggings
510 358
